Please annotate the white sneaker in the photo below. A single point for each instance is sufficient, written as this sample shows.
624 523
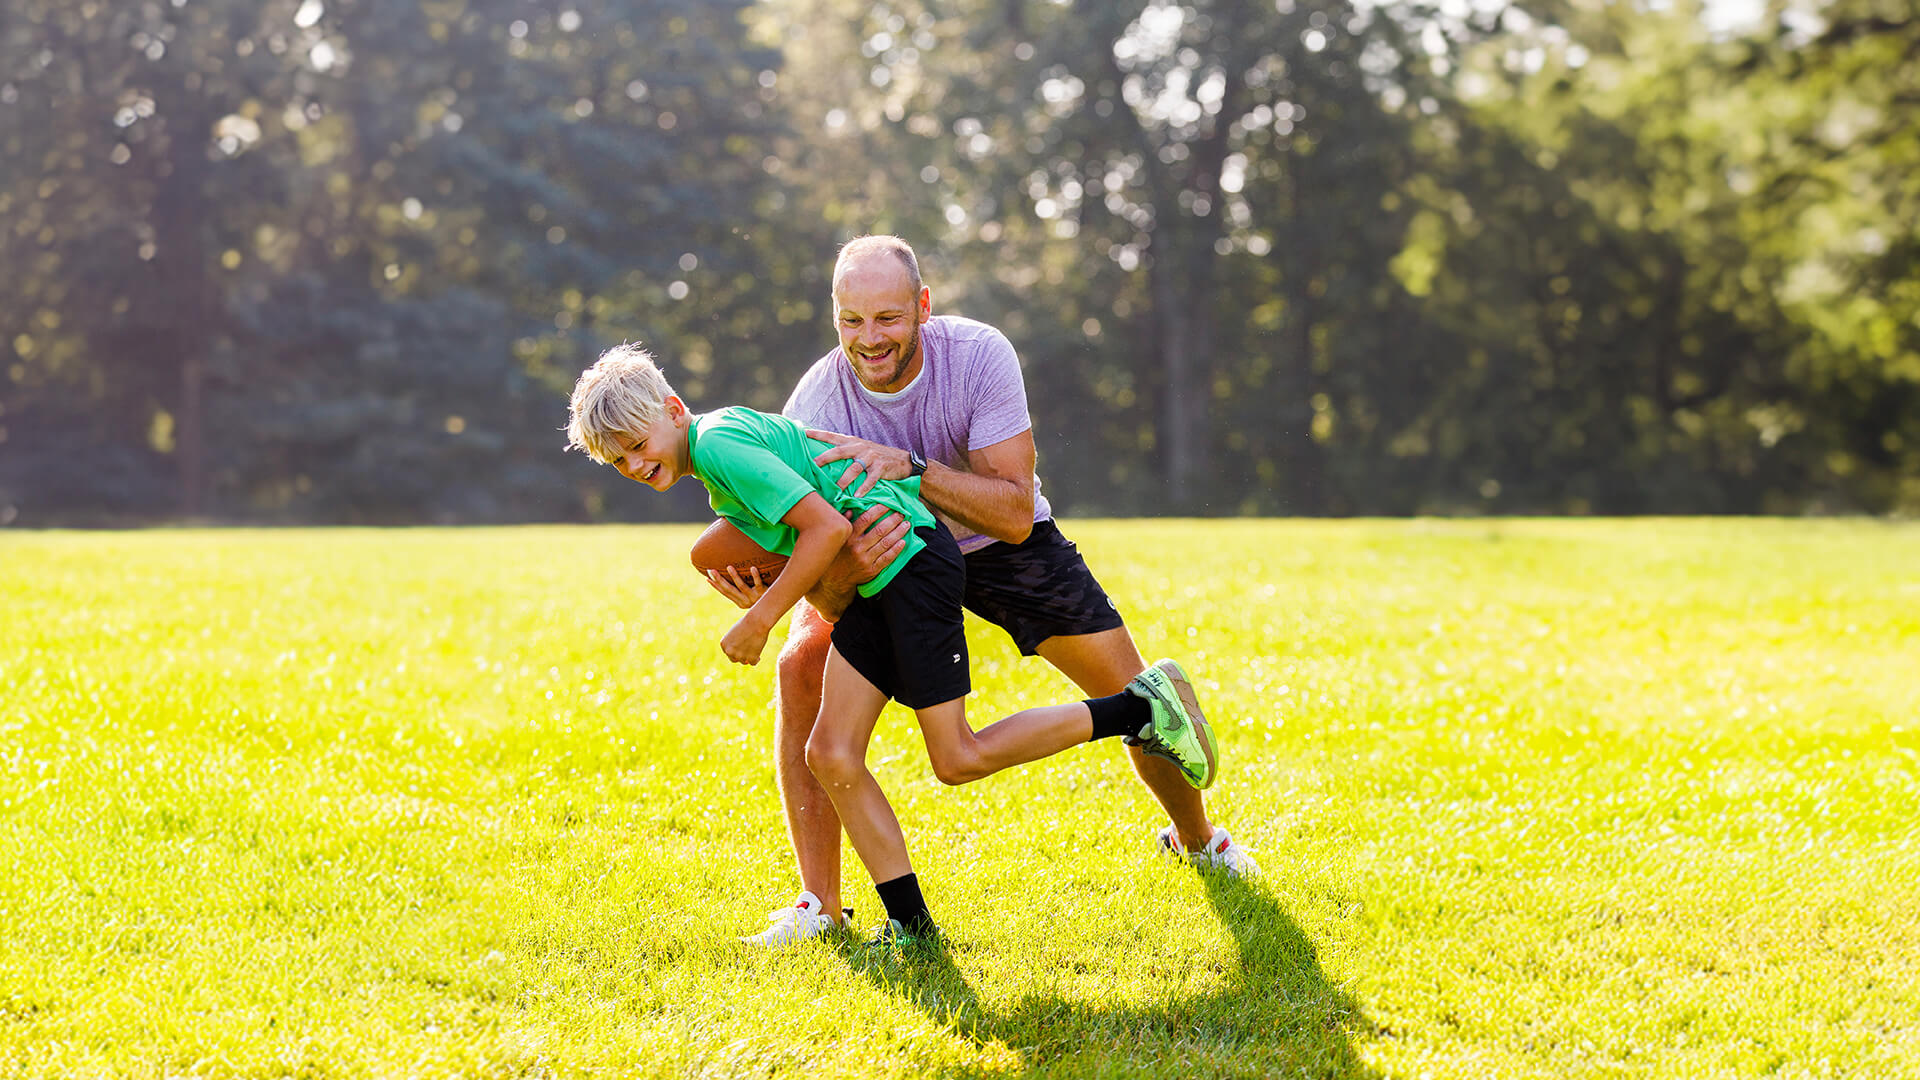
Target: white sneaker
1221 853
798 923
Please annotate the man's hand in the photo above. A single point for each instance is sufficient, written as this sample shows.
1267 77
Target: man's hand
879 535
743 590
746 641
877 462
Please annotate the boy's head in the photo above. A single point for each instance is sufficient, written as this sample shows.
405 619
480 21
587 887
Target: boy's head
624 414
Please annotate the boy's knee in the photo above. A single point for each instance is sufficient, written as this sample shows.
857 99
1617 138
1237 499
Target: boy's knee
834 765
956 769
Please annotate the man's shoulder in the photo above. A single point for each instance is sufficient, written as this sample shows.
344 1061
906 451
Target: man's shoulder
825 366
823 373
961 330
971 349
819 386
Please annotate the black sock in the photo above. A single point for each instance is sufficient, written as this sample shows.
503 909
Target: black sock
904 903
1121 714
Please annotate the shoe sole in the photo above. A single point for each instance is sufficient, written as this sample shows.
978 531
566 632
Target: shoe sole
1202 730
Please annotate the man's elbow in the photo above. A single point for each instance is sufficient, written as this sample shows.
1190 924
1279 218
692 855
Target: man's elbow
1014 532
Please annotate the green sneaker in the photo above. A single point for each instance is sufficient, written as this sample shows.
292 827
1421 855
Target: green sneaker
893 939
1179 732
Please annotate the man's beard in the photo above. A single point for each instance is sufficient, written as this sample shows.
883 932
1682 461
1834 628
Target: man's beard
906 353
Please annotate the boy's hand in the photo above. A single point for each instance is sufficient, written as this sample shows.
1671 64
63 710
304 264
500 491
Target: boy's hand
742 589
746 641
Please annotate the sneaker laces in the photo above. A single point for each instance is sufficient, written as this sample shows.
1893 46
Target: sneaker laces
1220 851
804 913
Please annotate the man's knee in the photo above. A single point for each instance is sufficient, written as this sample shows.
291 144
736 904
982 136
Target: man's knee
801 671
803 659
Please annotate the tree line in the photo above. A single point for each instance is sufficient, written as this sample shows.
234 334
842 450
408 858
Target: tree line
339 260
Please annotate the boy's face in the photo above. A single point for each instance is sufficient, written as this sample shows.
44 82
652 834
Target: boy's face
657 457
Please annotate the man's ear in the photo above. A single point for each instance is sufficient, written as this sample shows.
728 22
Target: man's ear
926 303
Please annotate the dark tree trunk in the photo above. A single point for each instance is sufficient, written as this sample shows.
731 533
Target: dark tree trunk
189 443
182 216
1301 456
1180 362
1302 461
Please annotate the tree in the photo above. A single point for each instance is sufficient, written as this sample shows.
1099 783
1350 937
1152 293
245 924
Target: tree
352 228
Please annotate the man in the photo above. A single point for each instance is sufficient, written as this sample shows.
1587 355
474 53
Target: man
908 394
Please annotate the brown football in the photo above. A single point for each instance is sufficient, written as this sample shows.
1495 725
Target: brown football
722 546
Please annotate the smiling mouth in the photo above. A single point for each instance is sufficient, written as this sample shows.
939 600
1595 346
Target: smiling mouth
647 477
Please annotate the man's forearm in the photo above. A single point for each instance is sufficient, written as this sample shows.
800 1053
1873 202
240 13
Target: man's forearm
1002 509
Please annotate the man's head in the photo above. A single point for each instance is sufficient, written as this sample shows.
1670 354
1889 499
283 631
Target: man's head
624 414
879 303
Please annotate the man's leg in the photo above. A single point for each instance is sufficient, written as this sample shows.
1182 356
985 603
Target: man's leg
813 826
1102 664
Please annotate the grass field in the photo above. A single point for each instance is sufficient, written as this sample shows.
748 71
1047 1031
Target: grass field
1533 798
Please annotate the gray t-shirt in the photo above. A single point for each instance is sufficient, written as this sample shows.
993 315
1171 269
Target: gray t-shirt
969 395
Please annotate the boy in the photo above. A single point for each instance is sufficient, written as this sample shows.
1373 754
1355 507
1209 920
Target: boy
901 638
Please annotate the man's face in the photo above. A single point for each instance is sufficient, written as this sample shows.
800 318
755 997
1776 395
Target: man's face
657 456
879 317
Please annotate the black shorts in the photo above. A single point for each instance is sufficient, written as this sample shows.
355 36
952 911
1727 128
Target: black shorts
1038 589
909 639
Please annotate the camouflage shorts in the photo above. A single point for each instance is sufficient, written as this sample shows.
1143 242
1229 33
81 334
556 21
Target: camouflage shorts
1038 589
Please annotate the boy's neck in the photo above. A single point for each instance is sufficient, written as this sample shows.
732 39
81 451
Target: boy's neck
686 446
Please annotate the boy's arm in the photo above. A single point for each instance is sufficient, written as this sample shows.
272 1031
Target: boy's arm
822 533
878 538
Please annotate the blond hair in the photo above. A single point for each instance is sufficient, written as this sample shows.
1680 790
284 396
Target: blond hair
622 394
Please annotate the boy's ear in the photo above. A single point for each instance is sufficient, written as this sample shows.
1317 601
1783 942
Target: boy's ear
676 409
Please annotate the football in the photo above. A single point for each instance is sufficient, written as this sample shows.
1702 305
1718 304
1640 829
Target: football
722 546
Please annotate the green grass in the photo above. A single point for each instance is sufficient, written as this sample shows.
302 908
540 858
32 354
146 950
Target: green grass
1534 798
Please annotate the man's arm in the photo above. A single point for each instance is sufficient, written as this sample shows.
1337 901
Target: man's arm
822 533
993 496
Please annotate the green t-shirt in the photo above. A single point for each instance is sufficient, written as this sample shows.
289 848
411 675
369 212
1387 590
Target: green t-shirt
757 467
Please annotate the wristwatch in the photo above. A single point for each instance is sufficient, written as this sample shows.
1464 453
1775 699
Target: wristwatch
919 463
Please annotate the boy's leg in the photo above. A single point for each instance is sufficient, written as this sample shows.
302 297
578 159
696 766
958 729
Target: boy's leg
960 754
837 755
813 826
1101 664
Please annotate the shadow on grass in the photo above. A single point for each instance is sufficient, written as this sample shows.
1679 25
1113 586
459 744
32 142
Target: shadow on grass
1277 1014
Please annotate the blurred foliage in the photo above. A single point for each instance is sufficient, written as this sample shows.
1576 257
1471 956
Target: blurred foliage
338 260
